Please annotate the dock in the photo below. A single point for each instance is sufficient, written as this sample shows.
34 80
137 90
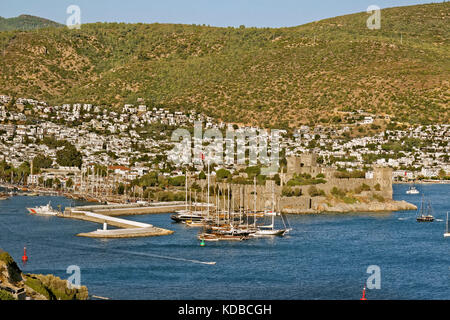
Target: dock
107 215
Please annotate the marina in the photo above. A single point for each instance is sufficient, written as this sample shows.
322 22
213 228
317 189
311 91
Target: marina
324 257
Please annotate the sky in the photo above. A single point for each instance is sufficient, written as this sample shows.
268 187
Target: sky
220 13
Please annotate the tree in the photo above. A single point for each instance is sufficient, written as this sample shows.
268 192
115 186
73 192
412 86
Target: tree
69 157
69 183
222 174
49 183
121 188
41 162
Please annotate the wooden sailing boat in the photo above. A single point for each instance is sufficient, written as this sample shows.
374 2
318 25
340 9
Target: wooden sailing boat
424 213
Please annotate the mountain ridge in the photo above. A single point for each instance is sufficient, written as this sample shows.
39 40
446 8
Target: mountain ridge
26 22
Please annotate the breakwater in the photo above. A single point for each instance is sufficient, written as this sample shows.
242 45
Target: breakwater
107 215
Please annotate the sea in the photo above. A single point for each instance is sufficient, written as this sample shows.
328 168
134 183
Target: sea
324 257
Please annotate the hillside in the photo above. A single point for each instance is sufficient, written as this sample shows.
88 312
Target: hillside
26 22
270 77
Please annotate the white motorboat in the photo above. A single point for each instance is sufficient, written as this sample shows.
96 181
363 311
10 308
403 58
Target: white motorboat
46 210
187 215
412 190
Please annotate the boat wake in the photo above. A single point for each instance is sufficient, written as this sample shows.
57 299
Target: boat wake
66 244
163 257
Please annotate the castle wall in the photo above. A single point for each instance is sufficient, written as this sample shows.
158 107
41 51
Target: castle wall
243 195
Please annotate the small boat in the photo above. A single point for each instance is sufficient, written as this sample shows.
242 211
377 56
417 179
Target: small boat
31 194
4 196
270 231
220 237
424 213
184 215
193 224
46 210
447 233
412 190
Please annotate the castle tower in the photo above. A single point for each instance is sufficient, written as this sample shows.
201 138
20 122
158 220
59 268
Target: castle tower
308 160
383 177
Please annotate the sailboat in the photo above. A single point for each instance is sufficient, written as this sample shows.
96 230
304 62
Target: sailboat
187 215
269 230
447 233
424 213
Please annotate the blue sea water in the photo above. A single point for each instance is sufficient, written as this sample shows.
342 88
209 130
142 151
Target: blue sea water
325 257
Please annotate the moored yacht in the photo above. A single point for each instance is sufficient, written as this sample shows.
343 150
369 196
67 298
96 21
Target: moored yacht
424 213
187 215
412 190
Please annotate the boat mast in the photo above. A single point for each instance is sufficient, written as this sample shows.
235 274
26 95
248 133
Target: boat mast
273 206
229 204
254 197
185 186
208 189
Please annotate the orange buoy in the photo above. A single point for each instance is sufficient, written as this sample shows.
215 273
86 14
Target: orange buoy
364 294
24 257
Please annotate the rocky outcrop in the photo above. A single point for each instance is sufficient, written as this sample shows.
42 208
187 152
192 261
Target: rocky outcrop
16 285
342 207
390 205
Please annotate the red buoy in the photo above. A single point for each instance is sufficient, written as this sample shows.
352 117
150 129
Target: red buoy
24 258
364 294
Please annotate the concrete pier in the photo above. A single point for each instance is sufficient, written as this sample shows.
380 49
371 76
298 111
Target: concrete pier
106 214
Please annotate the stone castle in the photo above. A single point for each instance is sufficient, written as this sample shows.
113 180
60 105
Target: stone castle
380 184
307 164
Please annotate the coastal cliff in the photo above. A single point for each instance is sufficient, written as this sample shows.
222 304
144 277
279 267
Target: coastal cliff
15 285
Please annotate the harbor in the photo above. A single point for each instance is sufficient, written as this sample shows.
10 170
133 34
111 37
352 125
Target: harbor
324 257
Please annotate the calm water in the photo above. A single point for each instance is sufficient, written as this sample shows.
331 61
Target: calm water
325 257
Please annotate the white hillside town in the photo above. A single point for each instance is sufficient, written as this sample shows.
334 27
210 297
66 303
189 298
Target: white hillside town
138 140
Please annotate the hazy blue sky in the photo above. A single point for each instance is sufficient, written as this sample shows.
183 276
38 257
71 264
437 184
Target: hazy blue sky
258 13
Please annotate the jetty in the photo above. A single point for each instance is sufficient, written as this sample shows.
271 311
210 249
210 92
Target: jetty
107 216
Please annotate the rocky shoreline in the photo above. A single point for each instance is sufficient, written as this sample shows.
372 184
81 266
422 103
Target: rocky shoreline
341 207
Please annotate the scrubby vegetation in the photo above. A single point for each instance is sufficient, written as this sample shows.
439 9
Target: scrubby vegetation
268 77
54 288
305 180
4 295
26 22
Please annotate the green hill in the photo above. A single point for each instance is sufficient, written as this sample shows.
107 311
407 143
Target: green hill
270 77
26 22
